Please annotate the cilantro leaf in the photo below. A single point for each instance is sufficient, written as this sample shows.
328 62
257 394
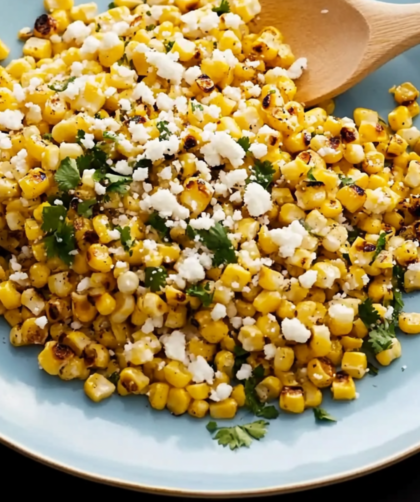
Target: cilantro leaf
67 175
238 435
164 132
150 27
373 370
310 175
60 240
111 5
216 240
380 246
168 45
354 234
346 181
201 292
252 402
195 105
321 414
244 143
110 136
381 338
114 377
143 163
47 136
241 355
398 276
262 173
368 314
126 240
52 216
223 8
61 86
81 134
155 278
85 208
158 223
118 184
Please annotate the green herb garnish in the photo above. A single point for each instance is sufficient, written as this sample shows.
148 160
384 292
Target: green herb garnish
368 314
67 175
201 292
126 240
216 240
85 208
61 86
150 27
155 278
159 224
168 45
238 435
164 132
252 402
262 173
223 8
321 414
244 143
195 105
380 246
346 181
60 240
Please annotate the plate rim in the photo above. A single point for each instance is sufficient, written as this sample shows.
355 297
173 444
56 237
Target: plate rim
178 492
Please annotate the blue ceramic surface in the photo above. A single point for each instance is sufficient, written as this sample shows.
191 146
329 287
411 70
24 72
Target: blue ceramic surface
123 441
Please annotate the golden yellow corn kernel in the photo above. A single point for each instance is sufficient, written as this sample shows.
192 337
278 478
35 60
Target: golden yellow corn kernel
98 388
321 372
238 394
54 356
105 304
9 296
178 401
158 395
409 323
235 277
292 400
251 338
343 387
198 391
313 396
268 389
214 331
132 381
283 360
224 409
177 375
198 408
354 364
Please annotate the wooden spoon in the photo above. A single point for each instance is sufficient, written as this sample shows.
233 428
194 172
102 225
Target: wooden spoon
343 40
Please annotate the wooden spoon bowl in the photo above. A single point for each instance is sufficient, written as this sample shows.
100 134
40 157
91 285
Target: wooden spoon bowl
343 40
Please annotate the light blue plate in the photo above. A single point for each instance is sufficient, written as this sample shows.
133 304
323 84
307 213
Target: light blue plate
124 442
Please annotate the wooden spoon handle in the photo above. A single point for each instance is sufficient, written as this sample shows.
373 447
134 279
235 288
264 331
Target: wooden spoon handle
394 28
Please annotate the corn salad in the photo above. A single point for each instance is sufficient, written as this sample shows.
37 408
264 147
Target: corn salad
174 224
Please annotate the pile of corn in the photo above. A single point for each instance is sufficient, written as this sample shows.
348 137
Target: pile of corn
175 225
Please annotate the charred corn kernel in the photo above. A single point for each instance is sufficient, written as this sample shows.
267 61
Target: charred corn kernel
214 331
153 305
268 389
178 401
60 285
98 258
198 408
158 395
132 381
343 387
393 352
9 296
53 357
98 388
125 305
320 342
321 372
77 341
292 400
97 356
225 409
224 361
400 118
34 184
354 364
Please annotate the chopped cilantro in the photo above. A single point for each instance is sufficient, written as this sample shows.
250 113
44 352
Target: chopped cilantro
216 240
354 234
164 132
195 105
238 435
244 143
47 136
60 240
143 163
380 246
118 184
158 223
373 370
311 176
241 355
381 338
126 240
150 27
81 134
321 414
168 45
110 136
202 292
368 314
85 208
155 278
223 8
346 181
252 402
67 175
262 173
61 86
114 378
111 5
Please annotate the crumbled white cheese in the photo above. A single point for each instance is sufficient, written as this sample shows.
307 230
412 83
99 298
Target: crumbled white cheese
76 32
11 119
201 371
244 372
257 199
288 238
258 150
218 312
341 313
270 351
308 279
293 329
222 392
174 345
41 322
